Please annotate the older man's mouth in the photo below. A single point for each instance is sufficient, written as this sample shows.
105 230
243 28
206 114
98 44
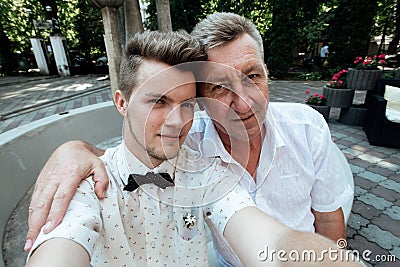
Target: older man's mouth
244 118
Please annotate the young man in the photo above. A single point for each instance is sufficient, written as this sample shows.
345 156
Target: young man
139 223
295 176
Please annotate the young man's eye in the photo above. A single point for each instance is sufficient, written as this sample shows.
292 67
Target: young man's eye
156 101
188 104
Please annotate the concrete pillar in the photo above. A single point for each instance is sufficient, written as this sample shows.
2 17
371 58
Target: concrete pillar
57 42
40 52
113 44
109 13
133 18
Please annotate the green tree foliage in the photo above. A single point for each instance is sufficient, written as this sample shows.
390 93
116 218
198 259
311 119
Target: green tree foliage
350 31
184 14
313 21
7 64
283 34
387 22
16 28
82 25
260 12
287 26
78 21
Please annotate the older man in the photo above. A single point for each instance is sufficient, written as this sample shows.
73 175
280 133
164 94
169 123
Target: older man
296 177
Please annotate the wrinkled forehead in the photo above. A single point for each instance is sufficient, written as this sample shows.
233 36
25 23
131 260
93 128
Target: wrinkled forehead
213 72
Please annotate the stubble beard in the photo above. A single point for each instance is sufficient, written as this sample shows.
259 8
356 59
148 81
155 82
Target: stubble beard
150 151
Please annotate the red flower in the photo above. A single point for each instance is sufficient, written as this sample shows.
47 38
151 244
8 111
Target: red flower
370 62
382 56
339 79
316 99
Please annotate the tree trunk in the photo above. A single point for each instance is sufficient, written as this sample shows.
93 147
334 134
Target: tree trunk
7 63
121 25
133 18
113 45
384 35
163 16
396 36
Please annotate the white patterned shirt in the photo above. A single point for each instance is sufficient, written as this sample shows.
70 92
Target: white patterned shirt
297 171
146 227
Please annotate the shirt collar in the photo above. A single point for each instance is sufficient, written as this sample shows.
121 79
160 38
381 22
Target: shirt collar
277 140
128 163
212 145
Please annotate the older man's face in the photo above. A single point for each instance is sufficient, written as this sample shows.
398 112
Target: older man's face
235 94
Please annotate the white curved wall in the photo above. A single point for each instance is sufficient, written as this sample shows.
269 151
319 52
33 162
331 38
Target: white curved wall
24 150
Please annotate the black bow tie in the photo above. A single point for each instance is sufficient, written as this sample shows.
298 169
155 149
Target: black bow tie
162 180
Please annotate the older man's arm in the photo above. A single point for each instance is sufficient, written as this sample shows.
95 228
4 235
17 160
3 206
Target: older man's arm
57 183
330 224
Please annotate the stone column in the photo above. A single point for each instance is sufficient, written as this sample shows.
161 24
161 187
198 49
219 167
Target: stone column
108 10
40 52
57 42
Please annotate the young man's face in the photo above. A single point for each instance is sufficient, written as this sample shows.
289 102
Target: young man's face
160 112
236 91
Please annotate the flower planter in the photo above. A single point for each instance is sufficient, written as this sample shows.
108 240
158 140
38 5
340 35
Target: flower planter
338 98
354 115
324 110
363 79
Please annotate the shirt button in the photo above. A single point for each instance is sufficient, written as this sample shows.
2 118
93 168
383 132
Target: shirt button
152 245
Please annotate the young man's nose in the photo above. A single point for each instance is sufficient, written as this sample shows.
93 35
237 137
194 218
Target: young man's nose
176 117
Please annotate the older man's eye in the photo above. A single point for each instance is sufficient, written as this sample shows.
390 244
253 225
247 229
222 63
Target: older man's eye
217 87
252 76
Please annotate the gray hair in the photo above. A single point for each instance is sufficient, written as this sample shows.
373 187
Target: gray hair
172 48
221 28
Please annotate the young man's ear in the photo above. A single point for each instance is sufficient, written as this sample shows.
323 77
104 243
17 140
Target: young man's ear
120 102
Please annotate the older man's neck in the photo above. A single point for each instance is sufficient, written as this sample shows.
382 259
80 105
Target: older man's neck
245 152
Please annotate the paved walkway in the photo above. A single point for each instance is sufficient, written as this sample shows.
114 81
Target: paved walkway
23 100
374 222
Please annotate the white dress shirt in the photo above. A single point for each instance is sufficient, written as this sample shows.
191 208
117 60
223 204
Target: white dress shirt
297 171
146 227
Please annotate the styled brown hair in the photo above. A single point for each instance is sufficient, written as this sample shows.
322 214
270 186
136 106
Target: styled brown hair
172 48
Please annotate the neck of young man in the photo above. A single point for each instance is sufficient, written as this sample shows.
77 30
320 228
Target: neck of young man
245 152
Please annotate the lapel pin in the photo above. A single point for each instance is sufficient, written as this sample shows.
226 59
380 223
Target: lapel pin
189 220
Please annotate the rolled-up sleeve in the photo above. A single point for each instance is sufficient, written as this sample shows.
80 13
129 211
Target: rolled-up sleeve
331 188
233 197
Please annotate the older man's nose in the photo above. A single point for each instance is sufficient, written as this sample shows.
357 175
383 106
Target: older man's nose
241 101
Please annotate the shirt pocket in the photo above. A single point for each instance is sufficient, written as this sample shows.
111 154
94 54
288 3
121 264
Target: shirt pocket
293 189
